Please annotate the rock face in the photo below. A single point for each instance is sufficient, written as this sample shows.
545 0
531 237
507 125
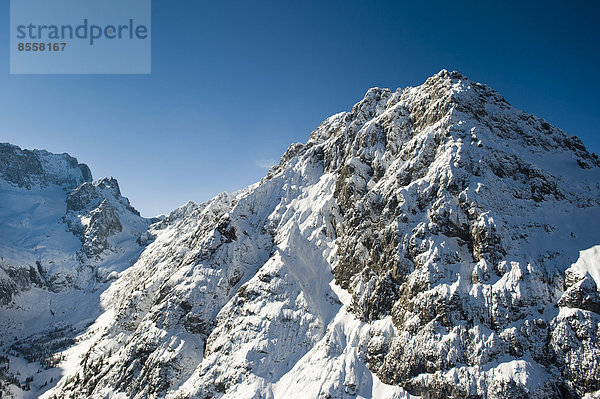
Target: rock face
433 241
459 216
25 168
93 214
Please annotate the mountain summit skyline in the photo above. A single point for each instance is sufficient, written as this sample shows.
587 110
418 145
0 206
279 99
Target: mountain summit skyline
433 241
233 84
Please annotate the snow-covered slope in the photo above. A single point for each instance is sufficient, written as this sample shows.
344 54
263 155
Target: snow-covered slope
63 238
433 241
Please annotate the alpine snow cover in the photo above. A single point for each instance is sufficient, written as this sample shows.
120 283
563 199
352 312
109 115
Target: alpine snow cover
433 241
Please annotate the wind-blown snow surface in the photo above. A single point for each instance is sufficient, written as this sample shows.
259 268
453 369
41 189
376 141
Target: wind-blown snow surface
420 244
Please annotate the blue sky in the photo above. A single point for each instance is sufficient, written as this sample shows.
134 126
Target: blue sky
234 83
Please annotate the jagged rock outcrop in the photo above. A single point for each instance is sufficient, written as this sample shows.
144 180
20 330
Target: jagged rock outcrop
93 214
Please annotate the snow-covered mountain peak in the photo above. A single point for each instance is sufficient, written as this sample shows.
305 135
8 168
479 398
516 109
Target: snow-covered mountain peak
426 104
90 194
431 241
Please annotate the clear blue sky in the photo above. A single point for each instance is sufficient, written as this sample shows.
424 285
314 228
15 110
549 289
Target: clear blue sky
234 83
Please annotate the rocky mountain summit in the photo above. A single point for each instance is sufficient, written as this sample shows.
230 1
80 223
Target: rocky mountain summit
433 241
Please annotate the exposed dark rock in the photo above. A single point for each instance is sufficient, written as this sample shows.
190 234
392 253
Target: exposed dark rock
582 295
25 168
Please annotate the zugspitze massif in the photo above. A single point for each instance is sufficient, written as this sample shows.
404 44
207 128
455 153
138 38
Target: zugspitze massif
432 242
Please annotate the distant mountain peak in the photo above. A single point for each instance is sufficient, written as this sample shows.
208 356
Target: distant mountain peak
59 227
26 168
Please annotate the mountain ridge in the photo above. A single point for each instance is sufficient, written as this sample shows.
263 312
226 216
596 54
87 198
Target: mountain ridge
28 167
432 241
